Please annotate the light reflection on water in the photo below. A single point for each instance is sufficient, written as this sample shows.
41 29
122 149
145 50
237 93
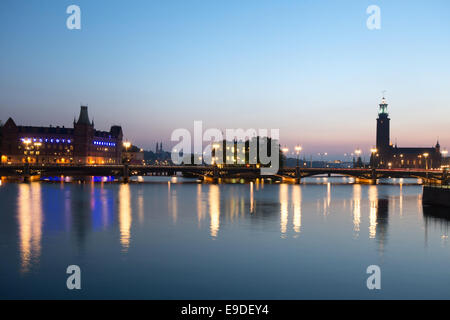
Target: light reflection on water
356 208
161 234
125 217
30 219
214 209
297 202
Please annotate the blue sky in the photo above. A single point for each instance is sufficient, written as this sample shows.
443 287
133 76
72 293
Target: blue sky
310 68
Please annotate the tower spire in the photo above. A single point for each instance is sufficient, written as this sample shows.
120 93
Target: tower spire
383 104
83 117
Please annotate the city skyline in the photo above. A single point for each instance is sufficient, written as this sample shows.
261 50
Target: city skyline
218 159
313 71
289 150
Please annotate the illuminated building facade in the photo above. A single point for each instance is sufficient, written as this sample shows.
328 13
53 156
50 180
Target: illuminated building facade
388 156
239 152
133 155
81 144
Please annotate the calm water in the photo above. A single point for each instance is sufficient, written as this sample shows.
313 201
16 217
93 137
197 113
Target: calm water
188 241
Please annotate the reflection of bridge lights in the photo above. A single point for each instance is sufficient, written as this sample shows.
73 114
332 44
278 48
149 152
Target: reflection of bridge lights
356 208
283 208
125 216
214 210
30 219
373 197
297 202
252 201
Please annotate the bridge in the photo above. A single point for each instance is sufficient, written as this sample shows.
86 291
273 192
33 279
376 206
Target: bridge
214 173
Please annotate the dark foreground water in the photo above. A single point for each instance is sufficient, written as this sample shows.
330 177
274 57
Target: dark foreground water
197 241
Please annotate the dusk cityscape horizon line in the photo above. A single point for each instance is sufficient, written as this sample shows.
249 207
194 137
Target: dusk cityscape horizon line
343 154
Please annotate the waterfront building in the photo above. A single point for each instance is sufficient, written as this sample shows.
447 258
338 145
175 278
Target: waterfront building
387 155
133 155
82 144
238 152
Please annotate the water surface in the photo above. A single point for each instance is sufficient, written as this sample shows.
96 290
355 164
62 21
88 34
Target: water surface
231 241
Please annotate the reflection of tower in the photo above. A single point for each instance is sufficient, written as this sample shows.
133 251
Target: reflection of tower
382 222
383 130
81 213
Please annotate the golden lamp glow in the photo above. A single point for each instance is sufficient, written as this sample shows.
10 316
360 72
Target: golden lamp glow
127 144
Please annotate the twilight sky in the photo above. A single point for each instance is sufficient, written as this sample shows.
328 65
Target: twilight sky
310 68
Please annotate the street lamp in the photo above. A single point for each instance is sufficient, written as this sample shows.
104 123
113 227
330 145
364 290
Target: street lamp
26 142
126 145
373 151
215 146
298 149
358 153
426 159
322 155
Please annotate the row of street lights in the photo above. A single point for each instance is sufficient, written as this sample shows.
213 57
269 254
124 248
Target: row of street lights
298 148
358 152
